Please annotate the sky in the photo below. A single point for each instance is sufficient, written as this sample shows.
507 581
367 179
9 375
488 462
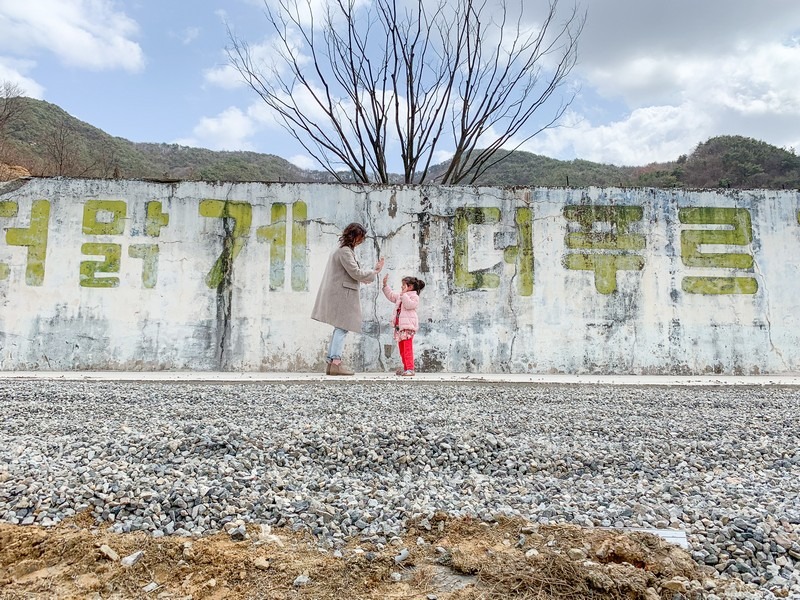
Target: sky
654 77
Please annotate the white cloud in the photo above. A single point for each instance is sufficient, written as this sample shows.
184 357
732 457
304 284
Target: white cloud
189 35
617 30
225 77
657 79
762 80
651 134
233 128
262 115
309 11
304 162
228 77
267 59
660 77
229 130
89 34
758 78
13 71
440 156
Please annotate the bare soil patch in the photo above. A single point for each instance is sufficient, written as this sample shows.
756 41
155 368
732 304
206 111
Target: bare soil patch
448 559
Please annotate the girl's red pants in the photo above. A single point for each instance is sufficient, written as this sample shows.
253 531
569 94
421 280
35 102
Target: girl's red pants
406 348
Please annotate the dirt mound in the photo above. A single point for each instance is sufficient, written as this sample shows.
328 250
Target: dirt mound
9 172
447 559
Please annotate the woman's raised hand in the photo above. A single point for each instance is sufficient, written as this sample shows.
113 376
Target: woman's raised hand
379 265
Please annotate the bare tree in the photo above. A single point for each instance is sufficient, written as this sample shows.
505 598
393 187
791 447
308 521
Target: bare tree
368 78
11 107
11 104
106 159
65 152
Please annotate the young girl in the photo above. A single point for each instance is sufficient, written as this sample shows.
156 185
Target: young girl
405 319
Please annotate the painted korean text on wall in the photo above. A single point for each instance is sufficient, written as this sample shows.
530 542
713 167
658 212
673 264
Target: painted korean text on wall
602 240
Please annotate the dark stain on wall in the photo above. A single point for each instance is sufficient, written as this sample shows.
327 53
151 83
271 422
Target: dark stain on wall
424 218
430 361
224 294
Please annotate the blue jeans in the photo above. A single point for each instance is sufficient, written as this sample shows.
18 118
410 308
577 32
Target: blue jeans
337 344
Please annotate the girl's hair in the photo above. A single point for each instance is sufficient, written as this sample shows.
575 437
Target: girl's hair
416 284
351 235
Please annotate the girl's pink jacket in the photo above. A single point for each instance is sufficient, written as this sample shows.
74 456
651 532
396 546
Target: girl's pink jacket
408 308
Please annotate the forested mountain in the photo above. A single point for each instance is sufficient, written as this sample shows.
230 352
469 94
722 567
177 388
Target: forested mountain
47 141
721 162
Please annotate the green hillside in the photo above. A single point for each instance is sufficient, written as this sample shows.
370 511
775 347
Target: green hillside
48 141
721 162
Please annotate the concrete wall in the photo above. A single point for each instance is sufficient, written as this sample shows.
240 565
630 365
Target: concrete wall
134 275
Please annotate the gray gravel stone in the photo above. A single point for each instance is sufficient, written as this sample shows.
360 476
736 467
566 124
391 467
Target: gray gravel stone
132 559
344 460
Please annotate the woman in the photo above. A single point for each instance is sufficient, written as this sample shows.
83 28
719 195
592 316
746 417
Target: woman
338 300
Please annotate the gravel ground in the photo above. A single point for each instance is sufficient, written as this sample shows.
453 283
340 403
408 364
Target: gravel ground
355 459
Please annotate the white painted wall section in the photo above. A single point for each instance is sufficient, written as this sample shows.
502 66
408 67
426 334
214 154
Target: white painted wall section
136 275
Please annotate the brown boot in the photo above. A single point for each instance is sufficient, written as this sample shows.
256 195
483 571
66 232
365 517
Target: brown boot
340 369
328 369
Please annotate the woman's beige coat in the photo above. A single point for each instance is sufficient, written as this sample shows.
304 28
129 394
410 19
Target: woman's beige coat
338 302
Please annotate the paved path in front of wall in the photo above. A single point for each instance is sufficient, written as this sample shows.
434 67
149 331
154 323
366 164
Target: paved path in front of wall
272 377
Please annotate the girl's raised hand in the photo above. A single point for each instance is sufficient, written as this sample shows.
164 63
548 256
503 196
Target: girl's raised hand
385 279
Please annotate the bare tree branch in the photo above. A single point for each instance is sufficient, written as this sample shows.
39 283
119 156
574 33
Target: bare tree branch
11 108
361 81
65 153
10 104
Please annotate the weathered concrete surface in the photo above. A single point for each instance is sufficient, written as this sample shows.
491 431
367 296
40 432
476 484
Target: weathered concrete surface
132 275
